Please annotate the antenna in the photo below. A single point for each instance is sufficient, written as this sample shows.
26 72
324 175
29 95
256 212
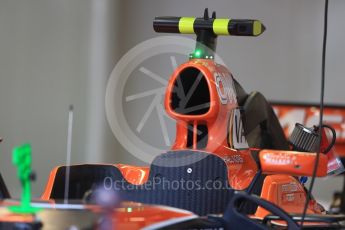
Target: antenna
316 163
68 152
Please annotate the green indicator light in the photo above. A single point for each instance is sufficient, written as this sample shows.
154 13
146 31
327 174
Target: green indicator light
21 158
197 53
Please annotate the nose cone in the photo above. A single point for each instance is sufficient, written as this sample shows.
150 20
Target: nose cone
263 27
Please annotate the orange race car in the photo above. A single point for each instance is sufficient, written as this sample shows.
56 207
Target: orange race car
231 165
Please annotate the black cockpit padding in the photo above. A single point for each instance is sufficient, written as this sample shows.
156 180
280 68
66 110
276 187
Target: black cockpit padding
191 180
4 193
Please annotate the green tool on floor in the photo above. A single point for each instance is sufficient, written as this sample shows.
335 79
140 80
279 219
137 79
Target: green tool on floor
21 157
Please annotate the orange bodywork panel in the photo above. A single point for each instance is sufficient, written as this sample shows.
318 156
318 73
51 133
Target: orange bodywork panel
292 163
286 192
49 186
133 216
16 217
133 174
241 168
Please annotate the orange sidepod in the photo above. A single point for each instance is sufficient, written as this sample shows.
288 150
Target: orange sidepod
292 163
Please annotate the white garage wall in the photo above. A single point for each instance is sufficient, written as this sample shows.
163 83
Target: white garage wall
52 54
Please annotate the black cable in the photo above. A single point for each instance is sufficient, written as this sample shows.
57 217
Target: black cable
321 113
334 138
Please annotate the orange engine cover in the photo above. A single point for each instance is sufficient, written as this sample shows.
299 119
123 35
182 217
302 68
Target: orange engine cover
201 97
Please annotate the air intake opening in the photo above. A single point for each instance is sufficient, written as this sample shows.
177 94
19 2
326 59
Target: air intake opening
202 136
191 95
190 129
